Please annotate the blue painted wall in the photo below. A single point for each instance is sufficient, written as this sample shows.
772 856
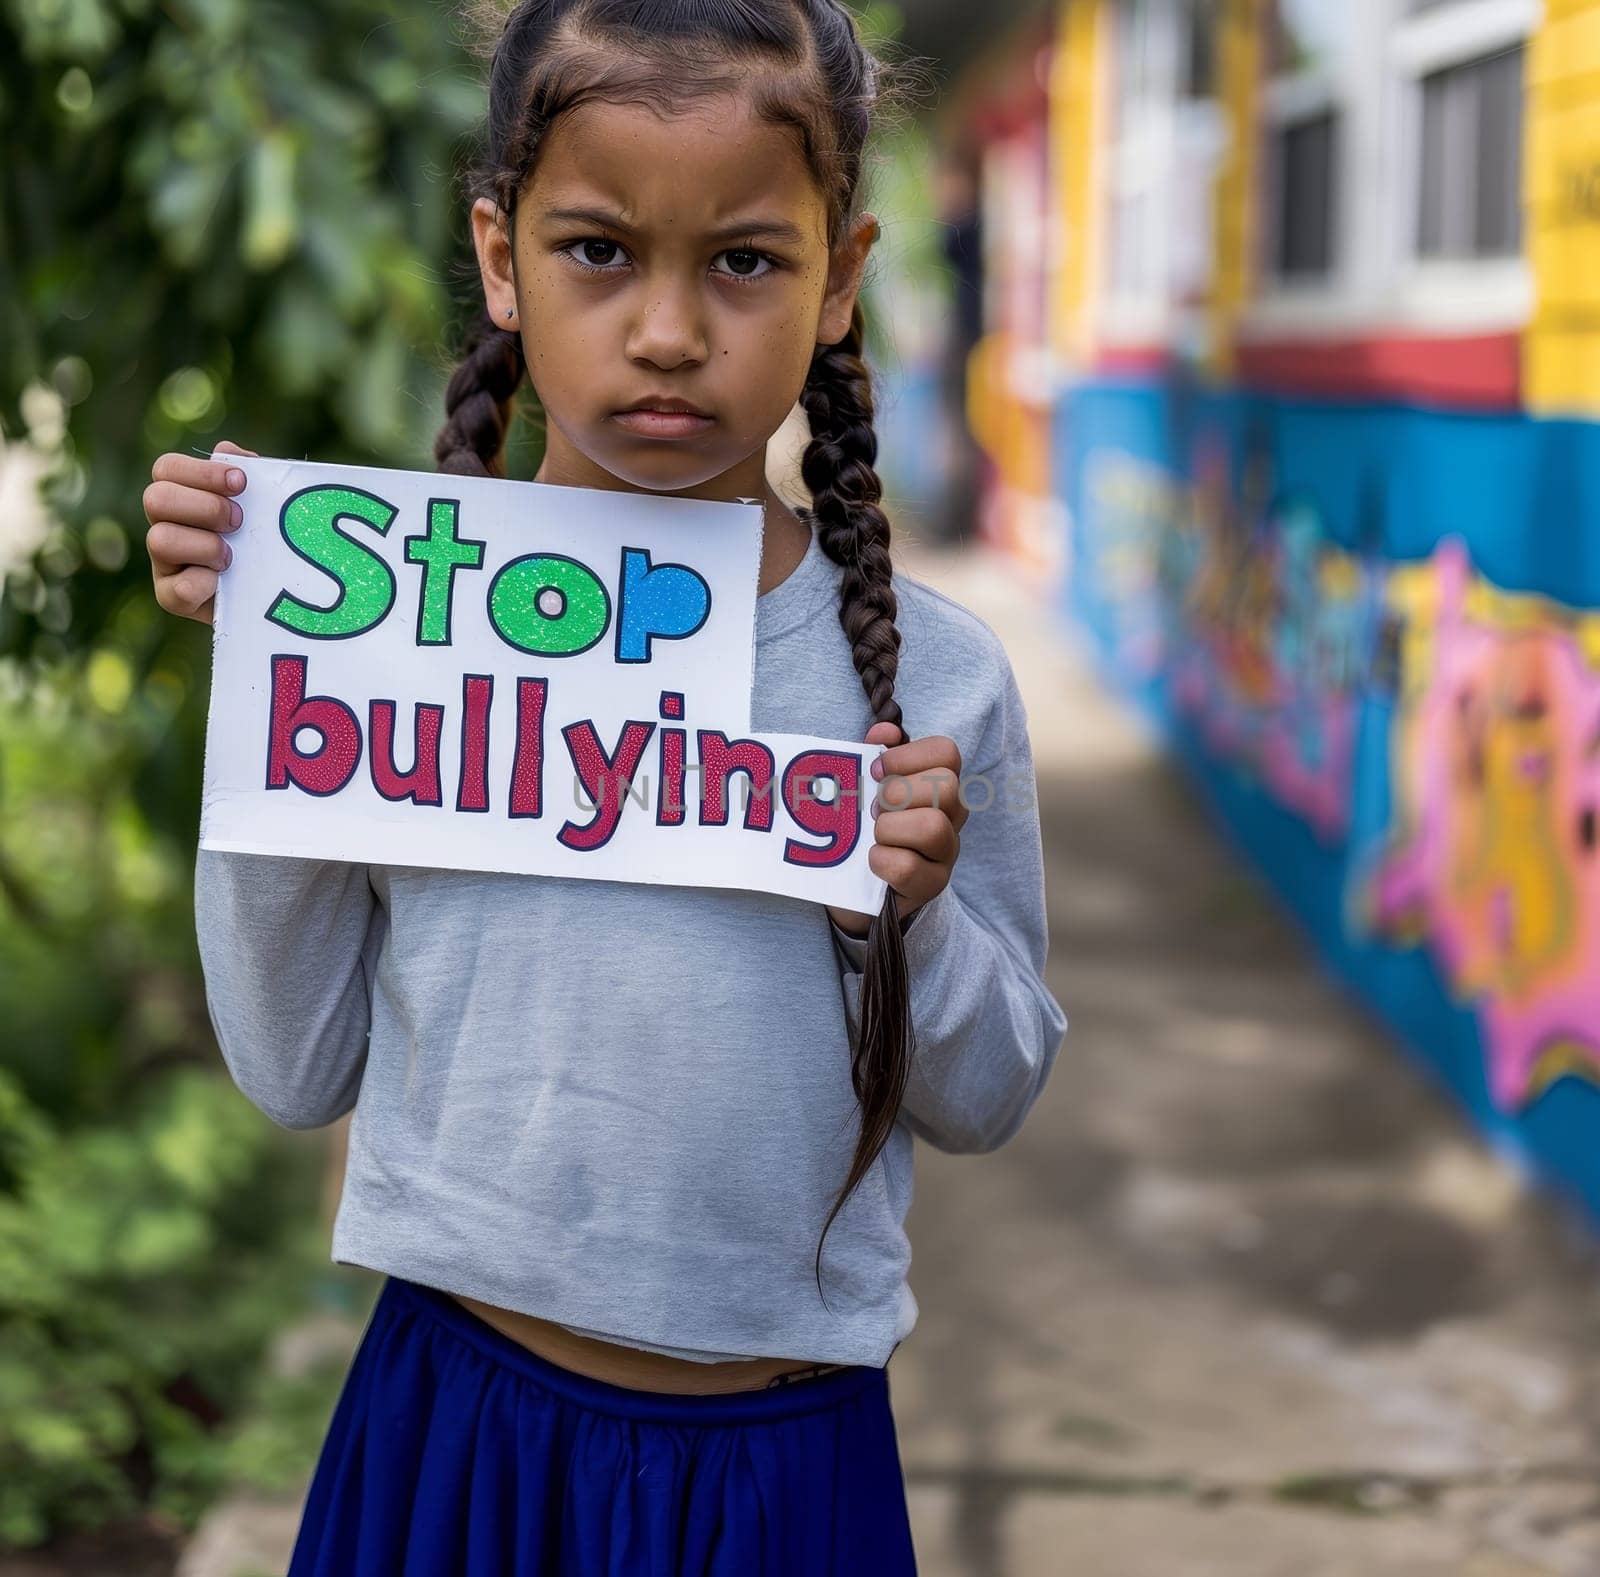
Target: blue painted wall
1180 491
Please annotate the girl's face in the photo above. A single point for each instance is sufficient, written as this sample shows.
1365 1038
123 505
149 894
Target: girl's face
668 260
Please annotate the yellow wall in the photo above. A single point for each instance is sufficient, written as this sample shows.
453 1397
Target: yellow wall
1077 99
1561 180
1241 28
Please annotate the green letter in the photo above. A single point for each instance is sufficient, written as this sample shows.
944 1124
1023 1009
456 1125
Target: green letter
441 553
575 619
310 525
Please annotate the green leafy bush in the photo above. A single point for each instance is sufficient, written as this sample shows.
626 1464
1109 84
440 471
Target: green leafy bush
145 1261
218 218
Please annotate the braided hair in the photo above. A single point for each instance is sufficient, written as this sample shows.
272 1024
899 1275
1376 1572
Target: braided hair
546 57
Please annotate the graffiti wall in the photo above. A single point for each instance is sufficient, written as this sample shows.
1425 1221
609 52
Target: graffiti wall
1369 633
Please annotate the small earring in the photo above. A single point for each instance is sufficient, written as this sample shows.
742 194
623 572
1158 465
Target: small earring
510 310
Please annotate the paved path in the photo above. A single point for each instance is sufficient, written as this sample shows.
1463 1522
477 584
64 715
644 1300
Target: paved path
1243 1297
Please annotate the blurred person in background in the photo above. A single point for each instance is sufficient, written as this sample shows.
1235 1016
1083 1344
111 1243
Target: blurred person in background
961 240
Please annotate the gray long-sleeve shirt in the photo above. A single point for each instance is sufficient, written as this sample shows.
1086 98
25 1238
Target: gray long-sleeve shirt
627 1107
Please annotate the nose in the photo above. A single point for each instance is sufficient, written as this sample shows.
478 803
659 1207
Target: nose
670 327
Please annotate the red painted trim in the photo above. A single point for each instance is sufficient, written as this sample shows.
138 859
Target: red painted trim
1474 372
1123 361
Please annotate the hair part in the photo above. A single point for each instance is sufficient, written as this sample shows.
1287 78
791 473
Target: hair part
806 69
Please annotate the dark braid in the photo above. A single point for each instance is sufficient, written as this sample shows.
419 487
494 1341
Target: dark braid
815 77
478 401
852 529
838 469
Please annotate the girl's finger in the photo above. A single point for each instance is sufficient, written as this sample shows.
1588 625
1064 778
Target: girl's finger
928 832
187 470
189 593
940 788
915 879
191 506
918 755
171 547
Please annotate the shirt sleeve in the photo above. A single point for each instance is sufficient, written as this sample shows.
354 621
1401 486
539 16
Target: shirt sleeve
987 1028
288 948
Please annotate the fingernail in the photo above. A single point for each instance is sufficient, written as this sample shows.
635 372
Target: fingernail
876 807
236 511
227 555
877 766
236 479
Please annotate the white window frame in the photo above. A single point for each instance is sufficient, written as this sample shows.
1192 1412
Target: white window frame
1332 306
1143 162
1379 284
1139 163
1287 103
1438 294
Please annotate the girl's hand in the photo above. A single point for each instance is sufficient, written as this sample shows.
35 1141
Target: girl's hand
189 503
918 834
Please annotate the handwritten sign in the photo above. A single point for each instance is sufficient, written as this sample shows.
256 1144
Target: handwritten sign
415 669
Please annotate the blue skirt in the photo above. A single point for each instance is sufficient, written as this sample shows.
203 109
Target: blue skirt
456 1452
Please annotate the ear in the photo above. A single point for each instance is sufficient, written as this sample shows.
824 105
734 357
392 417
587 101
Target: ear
493 246
846 267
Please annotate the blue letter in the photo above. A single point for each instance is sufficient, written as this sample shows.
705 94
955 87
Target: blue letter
669 600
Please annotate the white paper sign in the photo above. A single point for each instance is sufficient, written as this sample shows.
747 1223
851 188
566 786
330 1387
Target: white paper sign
416 669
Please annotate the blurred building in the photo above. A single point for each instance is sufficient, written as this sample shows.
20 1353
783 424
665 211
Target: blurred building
1289 375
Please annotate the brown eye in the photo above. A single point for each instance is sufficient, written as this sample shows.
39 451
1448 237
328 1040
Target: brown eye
746 263
594 253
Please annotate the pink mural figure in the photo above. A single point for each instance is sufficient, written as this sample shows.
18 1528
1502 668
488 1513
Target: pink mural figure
1490 861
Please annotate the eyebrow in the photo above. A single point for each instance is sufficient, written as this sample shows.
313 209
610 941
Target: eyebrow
778 229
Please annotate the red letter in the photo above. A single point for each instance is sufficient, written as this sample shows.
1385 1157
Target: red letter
476 692
328 768
604 778
670 806
528 766
719 760
838 819
421 784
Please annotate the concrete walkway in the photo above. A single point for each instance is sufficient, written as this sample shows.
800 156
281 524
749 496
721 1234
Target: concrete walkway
1243 1297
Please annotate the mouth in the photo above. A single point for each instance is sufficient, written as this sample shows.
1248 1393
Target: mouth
663 417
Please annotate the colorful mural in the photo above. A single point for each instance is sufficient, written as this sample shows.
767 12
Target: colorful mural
1496 784
1263 627
1310 600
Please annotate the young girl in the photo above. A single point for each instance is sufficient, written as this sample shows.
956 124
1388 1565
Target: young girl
602 1129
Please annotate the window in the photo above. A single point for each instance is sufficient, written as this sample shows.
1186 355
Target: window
1199 65
1391 169
1314 46
1470 191
1306 174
